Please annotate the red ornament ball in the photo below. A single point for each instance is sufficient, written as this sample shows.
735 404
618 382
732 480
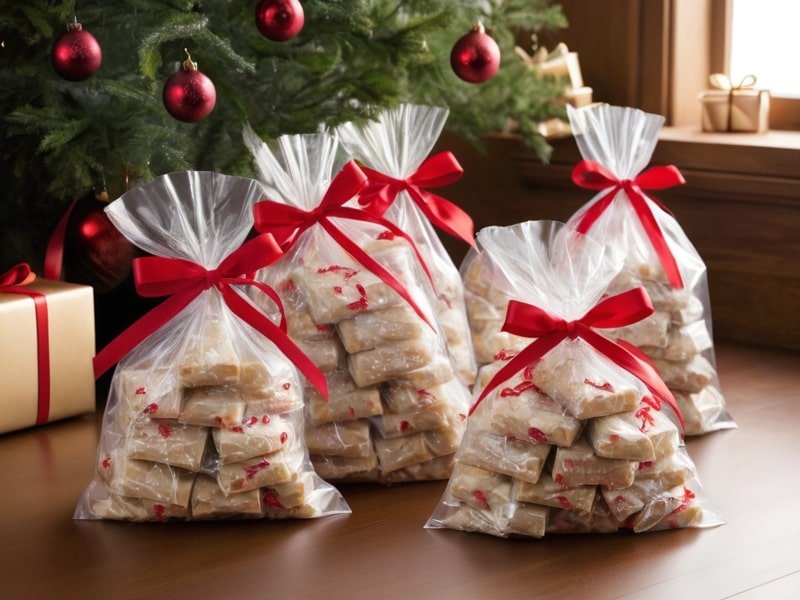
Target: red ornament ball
279 20
475 57
189 95
76 55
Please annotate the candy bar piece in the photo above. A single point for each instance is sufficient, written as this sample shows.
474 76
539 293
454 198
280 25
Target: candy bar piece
336 468
255 473
437 372
351 438
255 437
256 375
212 407
151 481
486 373
462 356
578 465
209 501
652 331
167 442
305 511
380 328
667 472
548 493
645 492
325 354
684 342
466 518
582 386
388 362
480 309
300 325
524 413
350 406
283 396
600 520
655 509
482 278
401 452
402 397
690 376
120 508
689 513
209 357
619 436
689 313
480 488
153 392
288 495
517 458
490 343
661 430
700 410
528 519
422 419
445 440
438 468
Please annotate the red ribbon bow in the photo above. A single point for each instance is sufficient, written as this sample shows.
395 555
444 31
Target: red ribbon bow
286 223
183 280
550 330
14 281
593 176
436 171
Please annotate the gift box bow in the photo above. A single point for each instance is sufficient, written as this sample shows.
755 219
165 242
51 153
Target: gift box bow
720 81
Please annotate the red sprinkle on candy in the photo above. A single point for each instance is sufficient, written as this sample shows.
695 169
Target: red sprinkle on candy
688 496
519 389
284 437
480 498
505 354
645 464
252 421
337 289
106 462
614 438
405 426
654 403
362 303
425 394
251 471
265 419
619 499
605 387
569 464
565 503
218 420
462 416
512 438
288 286
386 235
559 479
287 386
537 435
345 272
158 512
271 500
237 429
141 391
165 429
324 328
150 408
351 411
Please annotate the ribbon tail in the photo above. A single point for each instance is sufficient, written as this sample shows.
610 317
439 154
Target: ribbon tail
251 315
657 239
54 254
591 214
527 356
42 358
445 215
374 266
635 366
139 331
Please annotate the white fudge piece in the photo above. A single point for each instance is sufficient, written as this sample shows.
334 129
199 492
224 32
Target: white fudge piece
348 406
149 480
528 519
326 354
690 376
398 453
212 407
684 342
389 362
120 508
288 495
480 488
438 468
337 468
422 419
467 518
437 372
256 436
372 329
517 458
652 331
152 392
258 472
167 442
579 465
209 501
548 493
700 410
351 438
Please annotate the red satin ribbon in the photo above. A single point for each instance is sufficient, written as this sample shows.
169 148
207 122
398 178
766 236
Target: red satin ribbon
14 281
54 253
182 281
593 176
550 330
436 171
286 223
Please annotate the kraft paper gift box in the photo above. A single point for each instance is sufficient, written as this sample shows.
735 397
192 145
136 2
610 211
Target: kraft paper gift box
735 108
70 325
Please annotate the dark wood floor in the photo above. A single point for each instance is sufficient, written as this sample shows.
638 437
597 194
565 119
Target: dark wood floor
382 552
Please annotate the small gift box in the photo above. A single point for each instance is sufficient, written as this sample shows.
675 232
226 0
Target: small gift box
46 350
735 108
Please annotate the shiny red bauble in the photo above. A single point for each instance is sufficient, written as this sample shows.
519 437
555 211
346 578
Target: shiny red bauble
189 95
475 57
76 55
279 20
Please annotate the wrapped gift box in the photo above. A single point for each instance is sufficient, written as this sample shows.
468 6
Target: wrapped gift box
70 325
741 108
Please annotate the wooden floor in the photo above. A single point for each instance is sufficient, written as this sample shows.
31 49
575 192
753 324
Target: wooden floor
382 552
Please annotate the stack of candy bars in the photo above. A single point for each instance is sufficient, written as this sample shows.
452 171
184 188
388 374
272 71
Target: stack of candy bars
573 445
679 343
212 437
396 408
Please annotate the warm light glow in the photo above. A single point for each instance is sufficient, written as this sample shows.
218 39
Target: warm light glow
765 43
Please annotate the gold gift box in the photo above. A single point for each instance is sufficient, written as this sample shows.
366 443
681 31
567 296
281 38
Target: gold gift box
734 108
70 311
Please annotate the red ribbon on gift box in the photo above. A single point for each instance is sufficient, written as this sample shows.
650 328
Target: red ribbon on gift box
14 281
593 176
550 330
438 170
286 223
183 280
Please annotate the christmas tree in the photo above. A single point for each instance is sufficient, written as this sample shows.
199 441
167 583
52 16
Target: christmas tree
352 58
